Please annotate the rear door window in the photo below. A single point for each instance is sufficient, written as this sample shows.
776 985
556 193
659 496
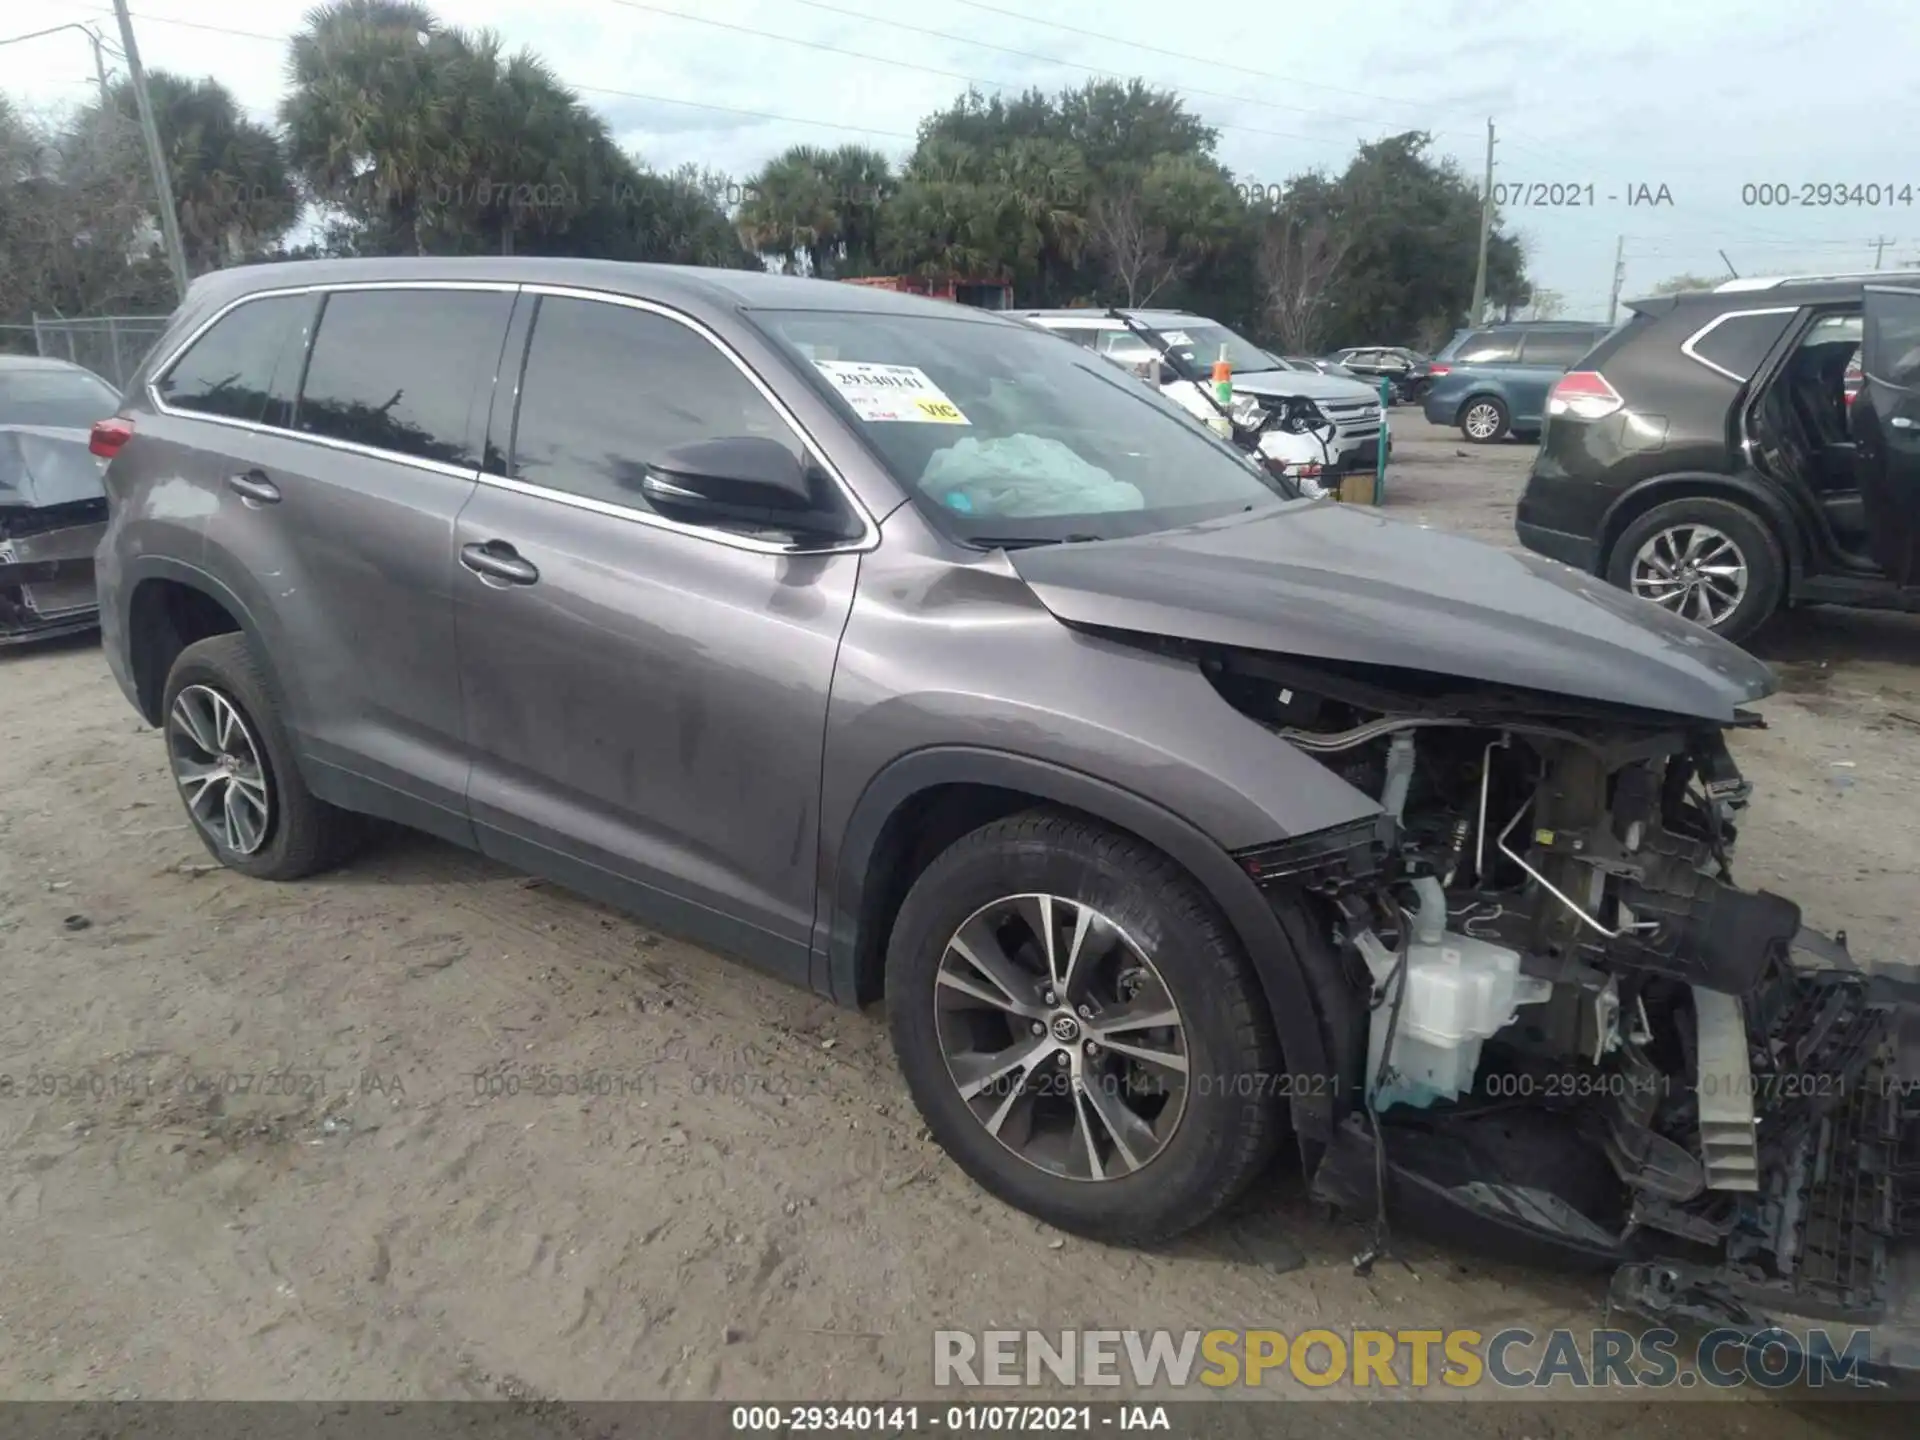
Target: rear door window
1082 335
402 370
247 364
1495 347
1559 348
1737 344
1893 338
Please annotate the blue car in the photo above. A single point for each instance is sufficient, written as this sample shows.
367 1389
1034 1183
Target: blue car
1493 381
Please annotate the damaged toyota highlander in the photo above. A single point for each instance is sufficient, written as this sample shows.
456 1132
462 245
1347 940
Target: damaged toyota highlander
913 655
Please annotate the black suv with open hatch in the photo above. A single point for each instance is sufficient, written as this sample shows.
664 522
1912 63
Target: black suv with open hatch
1710 454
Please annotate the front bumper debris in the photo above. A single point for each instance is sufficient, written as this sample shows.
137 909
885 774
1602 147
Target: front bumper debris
46 572
1827 1239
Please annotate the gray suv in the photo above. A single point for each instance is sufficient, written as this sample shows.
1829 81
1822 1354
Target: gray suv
904 651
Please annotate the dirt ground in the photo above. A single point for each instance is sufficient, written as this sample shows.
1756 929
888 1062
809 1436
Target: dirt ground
280 1157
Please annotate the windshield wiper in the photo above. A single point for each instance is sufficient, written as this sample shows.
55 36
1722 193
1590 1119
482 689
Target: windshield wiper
1027 542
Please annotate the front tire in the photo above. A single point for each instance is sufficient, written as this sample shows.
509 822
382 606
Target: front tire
1080 1030
1712 561
1485 420
235 770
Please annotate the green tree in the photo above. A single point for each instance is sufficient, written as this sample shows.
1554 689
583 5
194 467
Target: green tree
1413 227
233 195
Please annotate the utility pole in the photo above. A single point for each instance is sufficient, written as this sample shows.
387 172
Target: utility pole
1619 275
163 186
99 69
1486 230
1879 247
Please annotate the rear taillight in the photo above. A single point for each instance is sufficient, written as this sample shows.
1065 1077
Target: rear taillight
1438 369
1584 394
109 435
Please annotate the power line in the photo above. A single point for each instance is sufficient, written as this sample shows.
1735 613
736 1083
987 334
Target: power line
975 80
1185 55
1077 65
591 89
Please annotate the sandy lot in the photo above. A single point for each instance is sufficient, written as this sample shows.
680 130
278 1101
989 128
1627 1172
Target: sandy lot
258 1140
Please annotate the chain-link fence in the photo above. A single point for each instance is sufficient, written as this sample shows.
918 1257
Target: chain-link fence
112 346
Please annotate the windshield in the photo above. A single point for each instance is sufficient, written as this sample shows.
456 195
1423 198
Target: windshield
1001 433
72 399
1194 348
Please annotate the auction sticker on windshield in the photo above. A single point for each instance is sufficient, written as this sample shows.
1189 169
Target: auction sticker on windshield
891 392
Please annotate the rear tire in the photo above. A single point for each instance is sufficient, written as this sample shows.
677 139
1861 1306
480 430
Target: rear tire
1730 537
1026 1137
218 715
1485 420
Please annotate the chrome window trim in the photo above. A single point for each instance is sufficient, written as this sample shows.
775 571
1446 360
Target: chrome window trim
868 539
349 447
1687 345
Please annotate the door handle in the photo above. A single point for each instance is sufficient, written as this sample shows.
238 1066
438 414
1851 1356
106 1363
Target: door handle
254 488
498 563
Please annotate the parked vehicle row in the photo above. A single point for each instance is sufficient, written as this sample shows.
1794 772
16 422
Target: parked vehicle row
916 656
1728 452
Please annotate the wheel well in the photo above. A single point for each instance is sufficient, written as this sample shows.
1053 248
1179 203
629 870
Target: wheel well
1639 502
920 827
163 618
1460 410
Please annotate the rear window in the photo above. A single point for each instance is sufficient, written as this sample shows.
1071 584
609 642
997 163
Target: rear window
72 399
1736 344
399 369
244 367
1488 347
1558 347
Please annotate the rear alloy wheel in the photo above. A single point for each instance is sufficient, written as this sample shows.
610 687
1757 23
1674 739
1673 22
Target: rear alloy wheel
235 769
1080 1029
1710 561
1484 420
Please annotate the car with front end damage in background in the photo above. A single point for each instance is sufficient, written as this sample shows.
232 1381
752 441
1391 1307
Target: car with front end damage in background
52 507
1173 816
1339 419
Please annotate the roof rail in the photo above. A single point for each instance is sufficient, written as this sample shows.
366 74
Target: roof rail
1770 282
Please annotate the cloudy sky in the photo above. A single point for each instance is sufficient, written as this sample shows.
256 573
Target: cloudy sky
1701 97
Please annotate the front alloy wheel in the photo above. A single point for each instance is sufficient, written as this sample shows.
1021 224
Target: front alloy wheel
1693 570
1061 1037
216 763
1080 1028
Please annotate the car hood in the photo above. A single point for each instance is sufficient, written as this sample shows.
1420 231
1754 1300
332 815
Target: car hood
1325 581
42 465
1315 386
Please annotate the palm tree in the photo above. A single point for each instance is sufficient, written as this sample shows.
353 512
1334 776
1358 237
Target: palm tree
366 115
232 193
789 209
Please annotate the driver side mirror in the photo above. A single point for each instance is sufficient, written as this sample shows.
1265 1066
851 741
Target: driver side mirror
739 480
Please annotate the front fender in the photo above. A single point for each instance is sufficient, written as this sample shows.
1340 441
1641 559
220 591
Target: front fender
1294 966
